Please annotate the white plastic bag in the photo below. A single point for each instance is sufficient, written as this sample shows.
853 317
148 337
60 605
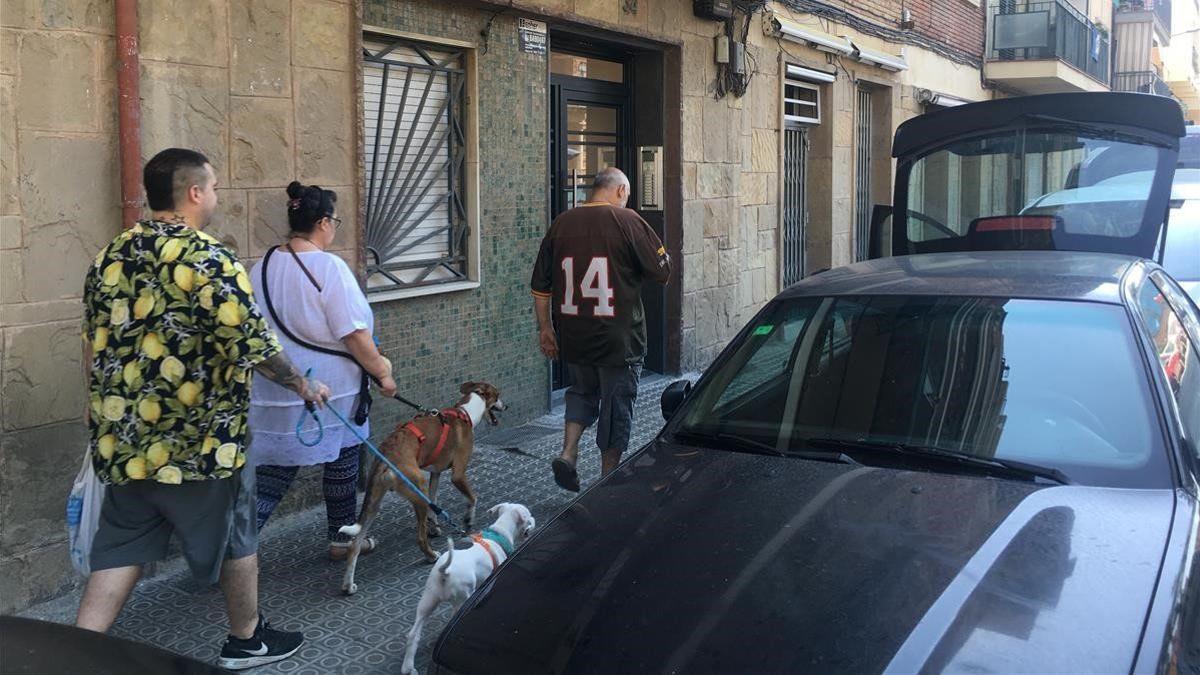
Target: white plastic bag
83 514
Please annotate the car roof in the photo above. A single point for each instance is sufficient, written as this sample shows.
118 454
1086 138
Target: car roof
1050 275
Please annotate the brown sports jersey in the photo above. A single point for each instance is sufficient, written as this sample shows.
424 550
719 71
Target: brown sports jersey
592 263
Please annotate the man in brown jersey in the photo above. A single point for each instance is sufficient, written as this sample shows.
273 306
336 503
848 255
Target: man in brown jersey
589 274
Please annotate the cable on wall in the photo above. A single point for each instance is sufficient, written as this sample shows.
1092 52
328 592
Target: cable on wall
737 30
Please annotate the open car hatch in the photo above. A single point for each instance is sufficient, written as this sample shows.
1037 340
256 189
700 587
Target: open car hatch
1074 172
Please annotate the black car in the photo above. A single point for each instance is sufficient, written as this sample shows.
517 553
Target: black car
936 463
980 454
36 647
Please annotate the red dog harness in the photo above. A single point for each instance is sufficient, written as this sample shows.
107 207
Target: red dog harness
444 417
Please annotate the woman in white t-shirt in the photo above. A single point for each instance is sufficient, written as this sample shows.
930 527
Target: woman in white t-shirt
320 315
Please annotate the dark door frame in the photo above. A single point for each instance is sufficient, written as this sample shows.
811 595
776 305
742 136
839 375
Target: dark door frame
564 90
585 91
566 36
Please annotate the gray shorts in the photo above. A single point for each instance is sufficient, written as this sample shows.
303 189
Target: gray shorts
213 519
604 395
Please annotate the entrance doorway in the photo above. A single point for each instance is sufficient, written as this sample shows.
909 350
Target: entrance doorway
592 113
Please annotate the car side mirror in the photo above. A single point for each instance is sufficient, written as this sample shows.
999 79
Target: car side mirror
673 397
881 221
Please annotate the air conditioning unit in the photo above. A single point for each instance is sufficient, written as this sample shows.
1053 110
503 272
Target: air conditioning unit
717 10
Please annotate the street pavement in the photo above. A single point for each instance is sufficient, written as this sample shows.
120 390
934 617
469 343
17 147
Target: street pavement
300 588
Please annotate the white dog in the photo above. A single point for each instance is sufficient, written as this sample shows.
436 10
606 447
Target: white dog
456 574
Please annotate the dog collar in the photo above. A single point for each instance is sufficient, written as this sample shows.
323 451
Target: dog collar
478 539
504 543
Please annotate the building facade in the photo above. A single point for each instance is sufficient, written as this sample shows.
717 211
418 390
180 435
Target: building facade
1156 50
453 132
1049 46
1181 58
1141 40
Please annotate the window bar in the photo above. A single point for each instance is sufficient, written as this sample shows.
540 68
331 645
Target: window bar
399 187
383 207
388 49
452 169
412 177
394 241
378 133
425 55
409 245
420 264
411 203
373 205
416 178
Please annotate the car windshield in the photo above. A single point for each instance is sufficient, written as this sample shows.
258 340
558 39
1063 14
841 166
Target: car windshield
1091 185
1056 384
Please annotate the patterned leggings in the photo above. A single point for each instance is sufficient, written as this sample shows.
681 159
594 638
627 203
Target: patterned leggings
340 487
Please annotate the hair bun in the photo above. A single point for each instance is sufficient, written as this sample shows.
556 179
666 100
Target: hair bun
295 190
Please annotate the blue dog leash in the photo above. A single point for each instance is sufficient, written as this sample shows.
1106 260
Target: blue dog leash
312 410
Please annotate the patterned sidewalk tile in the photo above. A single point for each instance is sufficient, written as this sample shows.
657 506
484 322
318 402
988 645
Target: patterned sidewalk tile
300 589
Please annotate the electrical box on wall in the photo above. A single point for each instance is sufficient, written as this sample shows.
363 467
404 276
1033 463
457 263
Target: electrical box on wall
737 59
718 10
721 49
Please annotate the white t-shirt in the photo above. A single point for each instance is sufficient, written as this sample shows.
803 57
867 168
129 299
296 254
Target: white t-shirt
321 318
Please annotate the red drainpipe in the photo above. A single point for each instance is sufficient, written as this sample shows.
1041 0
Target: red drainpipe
129 117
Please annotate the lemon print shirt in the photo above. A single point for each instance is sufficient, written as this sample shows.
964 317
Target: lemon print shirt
174 330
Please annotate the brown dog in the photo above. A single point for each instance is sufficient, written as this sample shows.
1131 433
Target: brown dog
430 443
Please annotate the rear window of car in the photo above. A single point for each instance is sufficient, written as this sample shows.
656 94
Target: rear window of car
1082 179
1054 383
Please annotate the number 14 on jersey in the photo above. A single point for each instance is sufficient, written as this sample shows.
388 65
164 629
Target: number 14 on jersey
594 286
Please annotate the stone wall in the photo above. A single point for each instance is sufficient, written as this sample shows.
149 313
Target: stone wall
59 201
266 89
263 87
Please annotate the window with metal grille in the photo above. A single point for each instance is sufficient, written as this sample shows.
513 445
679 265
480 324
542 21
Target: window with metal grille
862 175
416 223
801 102
801 109
795 210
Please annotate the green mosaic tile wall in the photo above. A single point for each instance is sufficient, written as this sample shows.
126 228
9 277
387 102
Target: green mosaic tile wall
438 341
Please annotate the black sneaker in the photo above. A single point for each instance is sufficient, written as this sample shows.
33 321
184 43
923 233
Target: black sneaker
267 645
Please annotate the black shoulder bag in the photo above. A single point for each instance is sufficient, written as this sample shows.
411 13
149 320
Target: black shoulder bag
363 409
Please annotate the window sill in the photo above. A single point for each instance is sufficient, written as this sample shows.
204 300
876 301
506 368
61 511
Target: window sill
402 293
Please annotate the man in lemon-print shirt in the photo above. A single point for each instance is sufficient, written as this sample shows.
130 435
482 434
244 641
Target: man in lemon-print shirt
172 337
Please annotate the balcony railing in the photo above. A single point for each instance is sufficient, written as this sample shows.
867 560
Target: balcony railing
1161 9
1036 31
1145 81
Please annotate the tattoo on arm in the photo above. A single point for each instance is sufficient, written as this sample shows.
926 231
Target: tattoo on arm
280 370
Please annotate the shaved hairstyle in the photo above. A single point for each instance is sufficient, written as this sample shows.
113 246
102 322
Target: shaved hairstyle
170 174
